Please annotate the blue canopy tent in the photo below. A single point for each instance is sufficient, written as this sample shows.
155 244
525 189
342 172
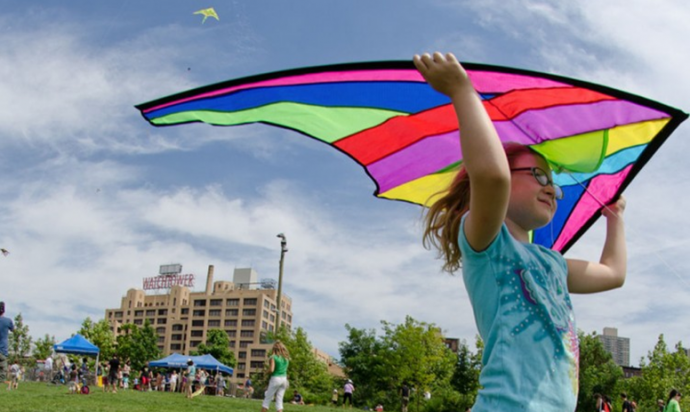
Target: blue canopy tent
78 345
176 360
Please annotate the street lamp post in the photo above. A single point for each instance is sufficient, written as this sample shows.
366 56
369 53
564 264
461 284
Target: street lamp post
283 250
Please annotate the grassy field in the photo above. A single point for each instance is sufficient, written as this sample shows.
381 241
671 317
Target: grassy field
40 397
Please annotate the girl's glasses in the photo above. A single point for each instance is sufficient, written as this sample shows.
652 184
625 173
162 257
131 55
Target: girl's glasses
542 178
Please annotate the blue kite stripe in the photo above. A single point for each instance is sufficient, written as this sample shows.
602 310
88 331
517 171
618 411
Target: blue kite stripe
405 97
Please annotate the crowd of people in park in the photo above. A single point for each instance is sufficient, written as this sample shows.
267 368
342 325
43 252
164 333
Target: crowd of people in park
115 375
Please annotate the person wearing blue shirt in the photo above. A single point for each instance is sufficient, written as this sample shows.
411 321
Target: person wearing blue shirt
6 326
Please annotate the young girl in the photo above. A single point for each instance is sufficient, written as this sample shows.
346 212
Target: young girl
277 366
519 291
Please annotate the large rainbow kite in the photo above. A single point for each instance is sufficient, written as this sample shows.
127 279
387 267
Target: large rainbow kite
405 135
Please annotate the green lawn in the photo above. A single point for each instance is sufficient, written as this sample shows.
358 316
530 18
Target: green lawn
41 397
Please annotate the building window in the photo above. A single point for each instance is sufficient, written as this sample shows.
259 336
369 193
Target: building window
258 353
232 302
161 339
184 311
245 343
176 336
265 314
232 343
162 321
214 323
118 314
242 355
162 312
177 327
197 323
175 346
247 334
256 364
194 343
138 313
196 333
264 325
151 312
248 312
151 321
160 331
198 313
231 322
215 312
249 301
231 333
215 302
289 318
273 318
138 321
248 323
241 366
266 303
231 312
200 302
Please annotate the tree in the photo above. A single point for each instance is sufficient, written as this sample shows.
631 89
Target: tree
99 334
138 345
412 352
19 341
43 347
599 374
465 377
662 371
415 352
218 345
360 358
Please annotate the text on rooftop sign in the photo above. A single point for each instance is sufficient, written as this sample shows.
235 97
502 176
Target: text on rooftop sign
168 281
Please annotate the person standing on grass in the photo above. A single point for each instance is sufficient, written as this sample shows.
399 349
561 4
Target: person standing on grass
277 367
114 373
191 374
6 326
349 390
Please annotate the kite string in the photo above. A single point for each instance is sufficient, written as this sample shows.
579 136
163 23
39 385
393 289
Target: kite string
628 229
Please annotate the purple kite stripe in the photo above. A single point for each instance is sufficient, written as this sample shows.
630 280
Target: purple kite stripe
493 82
325 77
604 187
561 121
428 155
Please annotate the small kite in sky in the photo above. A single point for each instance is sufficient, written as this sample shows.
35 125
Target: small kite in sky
5 252
210 12
385 117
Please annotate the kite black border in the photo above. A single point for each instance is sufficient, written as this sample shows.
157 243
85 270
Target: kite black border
677 116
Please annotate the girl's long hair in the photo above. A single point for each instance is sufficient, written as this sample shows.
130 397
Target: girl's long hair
280 350
672 395
442 220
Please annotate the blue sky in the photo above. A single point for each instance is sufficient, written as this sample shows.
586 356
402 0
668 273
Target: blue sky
93 199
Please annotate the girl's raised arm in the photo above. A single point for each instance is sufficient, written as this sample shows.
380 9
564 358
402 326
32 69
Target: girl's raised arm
483 154
609 273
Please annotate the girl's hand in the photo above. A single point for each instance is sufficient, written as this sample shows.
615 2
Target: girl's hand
443 73
615 209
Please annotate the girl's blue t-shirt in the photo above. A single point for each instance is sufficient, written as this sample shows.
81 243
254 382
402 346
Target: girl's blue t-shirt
522 308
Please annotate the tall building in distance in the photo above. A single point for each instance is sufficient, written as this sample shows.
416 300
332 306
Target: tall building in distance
617 346
245 309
